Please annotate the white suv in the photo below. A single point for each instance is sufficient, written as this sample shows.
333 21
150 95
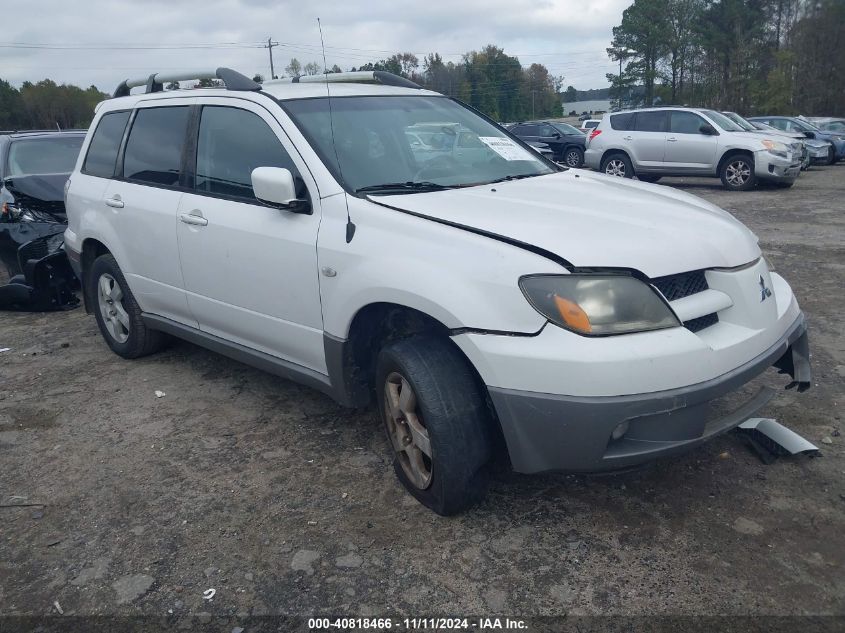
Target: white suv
656 142
487 300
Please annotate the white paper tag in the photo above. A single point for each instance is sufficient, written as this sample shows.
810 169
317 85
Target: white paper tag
506 148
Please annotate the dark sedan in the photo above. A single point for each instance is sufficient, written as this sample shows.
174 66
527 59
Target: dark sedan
566 142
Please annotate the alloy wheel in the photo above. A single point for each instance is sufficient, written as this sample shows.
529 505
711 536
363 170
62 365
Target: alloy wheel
572 158
738 173
615 167
110 302
407 432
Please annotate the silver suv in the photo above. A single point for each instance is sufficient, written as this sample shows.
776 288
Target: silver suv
656 142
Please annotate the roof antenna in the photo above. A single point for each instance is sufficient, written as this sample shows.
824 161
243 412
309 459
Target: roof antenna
350 227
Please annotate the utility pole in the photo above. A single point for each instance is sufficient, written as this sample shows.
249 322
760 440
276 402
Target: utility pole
532 105
269 46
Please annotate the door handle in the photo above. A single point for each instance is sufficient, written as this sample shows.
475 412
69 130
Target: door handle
627 138
671 139
194 217
115 202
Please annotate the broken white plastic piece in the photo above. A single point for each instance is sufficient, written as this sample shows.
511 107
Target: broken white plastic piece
208 594
788 440
160 394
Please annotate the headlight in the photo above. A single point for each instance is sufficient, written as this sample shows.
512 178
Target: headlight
9 212
775 147
598 304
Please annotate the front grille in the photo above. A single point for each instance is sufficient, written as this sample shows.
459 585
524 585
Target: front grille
675 287
696 325
36 249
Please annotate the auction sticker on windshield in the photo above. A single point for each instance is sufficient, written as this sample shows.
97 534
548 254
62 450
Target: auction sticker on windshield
506 148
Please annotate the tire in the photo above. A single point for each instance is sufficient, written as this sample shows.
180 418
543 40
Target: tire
737 173
573 157
648 178
618 165
831 156
118 314
445 406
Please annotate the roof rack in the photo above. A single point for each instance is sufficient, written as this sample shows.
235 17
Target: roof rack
358 77
232 80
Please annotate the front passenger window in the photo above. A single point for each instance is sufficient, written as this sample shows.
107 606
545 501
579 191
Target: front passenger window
233 142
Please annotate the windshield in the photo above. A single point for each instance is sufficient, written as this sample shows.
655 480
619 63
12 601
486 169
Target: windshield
745 125
804 126
410 143
567 129
43 156
722 121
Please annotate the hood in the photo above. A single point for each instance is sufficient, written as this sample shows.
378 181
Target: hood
44 193
593 220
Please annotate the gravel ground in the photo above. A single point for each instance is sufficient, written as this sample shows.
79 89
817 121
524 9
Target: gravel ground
285 503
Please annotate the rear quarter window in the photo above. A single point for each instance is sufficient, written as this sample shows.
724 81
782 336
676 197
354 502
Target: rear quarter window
623 122
102 151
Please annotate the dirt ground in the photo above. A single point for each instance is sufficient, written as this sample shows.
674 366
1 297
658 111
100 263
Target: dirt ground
285 503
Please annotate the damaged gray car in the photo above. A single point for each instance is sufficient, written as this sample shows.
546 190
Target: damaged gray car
34 167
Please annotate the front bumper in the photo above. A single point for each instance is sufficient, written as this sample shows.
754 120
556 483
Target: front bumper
767 166
547 432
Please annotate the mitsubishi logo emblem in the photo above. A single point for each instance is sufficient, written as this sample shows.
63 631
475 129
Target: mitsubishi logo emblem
764 292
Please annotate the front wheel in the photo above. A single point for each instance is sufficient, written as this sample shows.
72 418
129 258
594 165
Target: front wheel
737 173
437 422
573 157
618 165
831 155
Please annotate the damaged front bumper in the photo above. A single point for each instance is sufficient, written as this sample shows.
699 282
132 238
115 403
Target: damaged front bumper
547 432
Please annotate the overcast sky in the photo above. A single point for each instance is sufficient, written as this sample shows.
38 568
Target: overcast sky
102 42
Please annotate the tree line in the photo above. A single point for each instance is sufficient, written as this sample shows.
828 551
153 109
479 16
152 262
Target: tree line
489 80
46 105
751 56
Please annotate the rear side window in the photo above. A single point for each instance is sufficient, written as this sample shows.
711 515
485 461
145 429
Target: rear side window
231 144
102 152
651 121
685 123
154 149
624 121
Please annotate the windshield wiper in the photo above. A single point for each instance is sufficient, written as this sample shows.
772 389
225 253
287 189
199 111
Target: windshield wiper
517 177
410 186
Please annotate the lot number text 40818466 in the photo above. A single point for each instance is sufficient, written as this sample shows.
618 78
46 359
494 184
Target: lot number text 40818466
418 624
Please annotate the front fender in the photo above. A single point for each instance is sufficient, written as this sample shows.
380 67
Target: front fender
462 279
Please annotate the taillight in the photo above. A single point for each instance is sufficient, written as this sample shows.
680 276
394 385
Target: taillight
594 133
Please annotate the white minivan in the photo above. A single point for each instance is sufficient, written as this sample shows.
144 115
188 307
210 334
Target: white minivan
490 302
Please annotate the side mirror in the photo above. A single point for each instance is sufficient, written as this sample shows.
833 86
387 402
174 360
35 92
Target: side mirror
707 129
275 186
556 135
810 134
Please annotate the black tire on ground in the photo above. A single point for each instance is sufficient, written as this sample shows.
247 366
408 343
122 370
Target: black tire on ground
573 157
139 339
648 178
617 164
831 155
446 400
737 173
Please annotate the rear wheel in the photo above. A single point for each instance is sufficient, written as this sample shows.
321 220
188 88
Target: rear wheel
737 173
437 422
573 157
117 312
831 155
618 165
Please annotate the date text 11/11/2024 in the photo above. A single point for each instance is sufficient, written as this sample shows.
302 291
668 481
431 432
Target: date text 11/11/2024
418 624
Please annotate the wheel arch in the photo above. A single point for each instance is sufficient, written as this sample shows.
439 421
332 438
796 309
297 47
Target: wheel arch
92 248
608 152
730 154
